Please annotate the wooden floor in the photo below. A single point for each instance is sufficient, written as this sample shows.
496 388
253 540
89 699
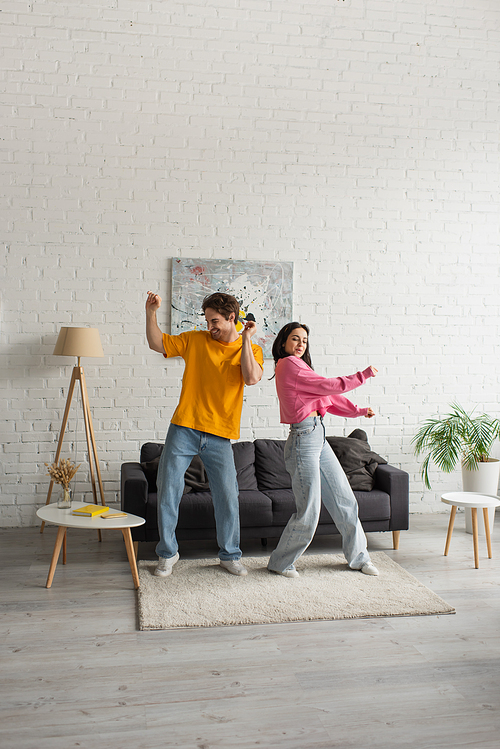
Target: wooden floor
76 672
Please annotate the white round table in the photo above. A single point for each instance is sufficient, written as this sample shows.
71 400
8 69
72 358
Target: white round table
64 519
474 500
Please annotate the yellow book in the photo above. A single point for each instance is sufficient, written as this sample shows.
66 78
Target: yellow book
90 510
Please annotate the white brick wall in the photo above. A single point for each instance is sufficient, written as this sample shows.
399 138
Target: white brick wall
358 139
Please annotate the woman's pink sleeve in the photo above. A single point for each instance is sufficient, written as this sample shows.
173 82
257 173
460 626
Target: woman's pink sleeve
341 406
310 383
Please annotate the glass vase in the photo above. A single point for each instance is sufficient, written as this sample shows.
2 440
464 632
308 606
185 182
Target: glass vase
64 501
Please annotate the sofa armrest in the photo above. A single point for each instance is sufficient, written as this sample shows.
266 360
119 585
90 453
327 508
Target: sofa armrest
395 483
134 489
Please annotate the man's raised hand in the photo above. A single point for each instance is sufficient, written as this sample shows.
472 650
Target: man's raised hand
249 329
153 302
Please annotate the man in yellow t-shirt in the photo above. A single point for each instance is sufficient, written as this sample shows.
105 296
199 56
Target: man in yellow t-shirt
218 364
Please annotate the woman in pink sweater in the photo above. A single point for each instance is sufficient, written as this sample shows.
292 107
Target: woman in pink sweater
316 473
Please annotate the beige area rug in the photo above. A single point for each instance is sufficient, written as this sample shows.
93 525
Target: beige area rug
199 593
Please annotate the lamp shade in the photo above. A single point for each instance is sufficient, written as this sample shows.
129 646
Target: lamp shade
78 342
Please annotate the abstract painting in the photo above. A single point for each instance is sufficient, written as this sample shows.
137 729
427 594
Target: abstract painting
264 290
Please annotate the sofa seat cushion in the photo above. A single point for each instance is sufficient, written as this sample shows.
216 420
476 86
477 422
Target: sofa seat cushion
283 505
196 510
256 509
151 512
374 505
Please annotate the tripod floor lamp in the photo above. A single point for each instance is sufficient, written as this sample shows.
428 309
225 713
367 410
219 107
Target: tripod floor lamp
79 342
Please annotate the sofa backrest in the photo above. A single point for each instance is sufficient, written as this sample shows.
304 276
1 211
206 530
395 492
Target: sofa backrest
270 465
261 464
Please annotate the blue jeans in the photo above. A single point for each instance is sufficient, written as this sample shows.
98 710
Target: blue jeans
181 445
317 475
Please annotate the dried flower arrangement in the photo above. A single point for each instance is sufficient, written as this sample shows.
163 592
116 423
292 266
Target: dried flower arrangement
62 472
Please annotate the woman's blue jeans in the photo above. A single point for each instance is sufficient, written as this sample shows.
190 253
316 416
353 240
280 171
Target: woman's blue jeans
181 445
317 475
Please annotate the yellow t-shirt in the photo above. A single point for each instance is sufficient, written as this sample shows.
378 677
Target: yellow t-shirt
212 385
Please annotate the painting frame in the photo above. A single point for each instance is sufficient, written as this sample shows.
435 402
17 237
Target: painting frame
264 289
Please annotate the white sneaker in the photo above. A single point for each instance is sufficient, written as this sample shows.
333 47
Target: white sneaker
369 569
289 572
164 566
234 566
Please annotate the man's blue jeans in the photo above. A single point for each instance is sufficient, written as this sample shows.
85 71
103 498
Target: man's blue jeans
181 445
317 475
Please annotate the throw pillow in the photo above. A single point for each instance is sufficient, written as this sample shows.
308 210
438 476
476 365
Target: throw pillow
195 478
357 459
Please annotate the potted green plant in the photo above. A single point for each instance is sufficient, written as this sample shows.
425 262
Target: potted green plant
461 437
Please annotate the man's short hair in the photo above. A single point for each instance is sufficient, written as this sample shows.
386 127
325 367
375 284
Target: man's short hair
224 304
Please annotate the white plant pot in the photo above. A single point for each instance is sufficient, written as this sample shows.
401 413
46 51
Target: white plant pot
482 481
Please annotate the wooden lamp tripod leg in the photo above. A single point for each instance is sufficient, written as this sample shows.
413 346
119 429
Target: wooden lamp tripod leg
78 374
91 444
74 378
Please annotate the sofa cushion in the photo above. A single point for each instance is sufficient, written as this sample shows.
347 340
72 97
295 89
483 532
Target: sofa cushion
284 507
270 465
244 459
196 510
374 505
195 478
283 504
256 510
150 451
150 468
150 456
357 459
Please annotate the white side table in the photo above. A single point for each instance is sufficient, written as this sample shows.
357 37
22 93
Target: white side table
474 501
64 519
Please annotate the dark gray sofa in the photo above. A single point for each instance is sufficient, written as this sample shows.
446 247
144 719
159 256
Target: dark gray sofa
265 495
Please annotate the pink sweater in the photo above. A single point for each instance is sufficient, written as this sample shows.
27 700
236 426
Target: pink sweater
301 391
